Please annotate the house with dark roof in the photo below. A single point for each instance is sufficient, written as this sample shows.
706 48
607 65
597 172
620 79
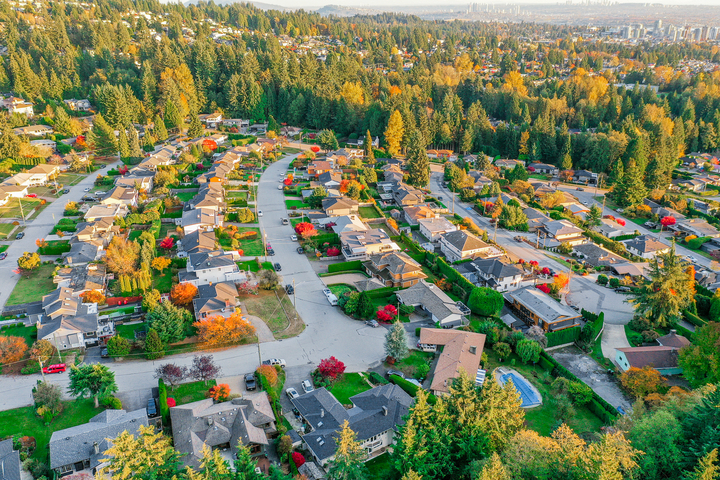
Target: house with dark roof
597 256
329 179
81 448
375 417
562 231
394 269
695 226
674 340
405 195
247 421
461 244
210 267
584 176
661 358
461 351
83 278
197 242
543 168
646 246
199 219
535 307
340 206
216 299
430 299
496 274
10 465
536 219
82 253
508 163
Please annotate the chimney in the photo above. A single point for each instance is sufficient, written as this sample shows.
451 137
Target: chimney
385 410
322 413
96 448
673 332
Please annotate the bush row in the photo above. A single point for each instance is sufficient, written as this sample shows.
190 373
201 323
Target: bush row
164 408
343 266
410 388
694 319
564 336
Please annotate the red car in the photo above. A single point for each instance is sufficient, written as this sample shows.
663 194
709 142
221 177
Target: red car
31 195
59 368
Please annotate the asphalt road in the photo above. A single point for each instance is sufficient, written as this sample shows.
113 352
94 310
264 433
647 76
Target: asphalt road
38 227
328 331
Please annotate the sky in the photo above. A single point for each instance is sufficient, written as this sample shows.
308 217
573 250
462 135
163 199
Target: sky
312 4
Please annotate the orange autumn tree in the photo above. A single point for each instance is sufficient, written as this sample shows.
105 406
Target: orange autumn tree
269 373
12 349
93 296
218 330
183 293
219 393
561 281
641 382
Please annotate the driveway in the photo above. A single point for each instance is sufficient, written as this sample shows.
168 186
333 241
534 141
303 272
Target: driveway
348 278
328 332
613 337
37 228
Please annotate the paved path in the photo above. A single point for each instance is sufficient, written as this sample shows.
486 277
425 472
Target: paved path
39 227
328 332
262 331
613 337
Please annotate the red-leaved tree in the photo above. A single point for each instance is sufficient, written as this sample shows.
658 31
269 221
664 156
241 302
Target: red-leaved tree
303 227
171 402
387 313
333 252
667 221
298 459
543 288
167 243
331 368
219 393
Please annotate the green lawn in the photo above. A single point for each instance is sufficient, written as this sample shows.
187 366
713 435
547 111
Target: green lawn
190 392
185 196
23 421
12 208
33 287
28 333
290 204
5 229
128 331
369 212
340 289
348 385
69 179
163 283
296 220
3 248
541 419
267 307
251 247
380 467
410 364
253 266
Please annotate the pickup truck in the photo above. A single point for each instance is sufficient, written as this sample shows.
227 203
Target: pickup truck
330 296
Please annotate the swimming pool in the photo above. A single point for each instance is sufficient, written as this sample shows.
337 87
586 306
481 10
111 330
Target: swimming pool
530 397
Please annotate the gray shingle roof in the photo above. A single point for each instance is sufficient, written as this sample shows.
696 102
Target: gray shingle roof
431 298
75 444
646 244
464 241
198 242
9 461
216 259
542 304
497 268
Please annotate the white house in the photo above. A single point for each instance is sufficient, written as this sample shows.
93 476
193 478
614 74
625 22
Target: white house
434 228
461 244
498 275
200 219
211 267
646 246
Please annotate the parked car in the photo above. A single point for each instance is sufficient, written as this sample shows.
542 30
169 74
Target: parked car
649 225
395 372
260 214
280 187
87 189
152 408
277 267
275 361
440 198
104 353
372 323
307 386
3 256
580 189
292 393
621 410
31 195
289 289
330 296
19 235
300 250
623 290
271 252
294 238
285 221
67 190
250 382
57 368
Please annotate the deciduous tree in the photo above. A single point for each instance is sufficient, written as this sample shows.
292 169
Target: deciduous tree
394 133
149 455
122 256
700 360
641 381
183 293
160 264
331 368
29 261
219 330
220 392
93 296
12 349
171 373
42 351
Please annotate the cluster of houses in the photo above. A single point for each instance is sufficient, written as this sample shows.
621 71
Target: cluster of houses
17 185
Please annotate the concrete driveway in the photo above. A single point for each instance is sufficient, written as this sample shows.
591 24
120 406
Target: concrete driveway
329 332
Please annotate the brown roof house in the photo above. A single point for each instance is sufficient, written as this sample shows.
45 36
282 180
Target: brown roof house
414 213
395 269
198 241
538 308
661 358
121 196
672 339
646 246
246 420
461 244
461 351
335 207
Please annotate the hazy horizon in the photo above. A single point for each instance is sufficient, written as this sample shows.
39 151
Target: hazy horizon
314 4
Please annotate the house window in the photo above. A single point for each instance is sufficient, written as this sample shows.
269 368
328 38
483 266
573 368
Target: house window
65 469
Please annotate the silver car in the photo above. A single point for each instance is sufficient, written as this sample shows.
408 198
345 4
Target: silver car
292 393
307 386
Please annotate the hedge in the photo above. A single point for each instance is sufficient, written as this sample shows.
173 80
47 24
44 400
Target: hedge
562 337
452 275
327 237
694 319
343 266
155 228
57 248
606 412
382 292
164 408
377 379
589 316
410 388
696 243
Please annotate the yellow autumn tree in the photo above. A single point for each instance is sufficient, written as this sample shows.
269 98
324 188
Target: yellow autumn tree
494 469
352 93
514 83
394 133
132 456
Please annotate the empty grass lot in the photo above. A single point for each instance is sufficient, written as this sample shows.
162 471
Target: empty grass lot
348 385
190 392
69 179
267 307
33 287
12 208
369 212
23 421
6 229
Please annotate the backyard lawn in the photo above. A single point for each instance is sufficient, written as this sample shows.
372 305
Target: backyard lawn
128 331
12 208
296 220
162 282
410 364
190 392
68 179
186 196
369 212
28 333
380 467
6 229
23 421
348 385
293 204
266 306
33 287
542 419
252 247
253 266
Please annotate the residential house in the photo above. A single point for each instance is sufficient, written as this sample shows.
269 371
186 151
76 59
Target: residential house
17 105
13 191
536 219
82 105
211 120
248 421
207 199
578 209
317 167
98 233
10 465
543 168
585 176
414 213
67 323
535 307
497 274
121 196
646 246
139 180
82 279
215 299
434 228
562 231
210 267
82 253
329 179
611 229
217 173
198 241
199 219
97 212
461 351
375 417
26 179
661 211
395 269
345 223
703 207
393 174
47 143
508 164
691 184
674 340
480 180
359 245
434 302
340 206
350 153
460 244
82 448
405 195
661 358
34 130
236 122
596 256
695 226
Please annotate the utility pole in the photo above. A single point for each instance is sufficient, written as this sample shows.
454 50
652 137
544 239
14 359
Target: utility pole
21 210
495 234
41 369
294 296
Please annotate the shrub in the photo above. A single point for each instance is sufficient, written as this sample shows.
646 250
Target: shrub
614 282
269 373
298 459
502 349
602 279
164 406
485 301
112 402
219 393
407 310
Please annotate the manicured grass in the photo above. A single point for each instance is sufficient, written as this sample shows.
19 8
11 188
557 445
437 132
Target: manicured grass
33 287
369 212
12 208
135 234
128 331
3 248
241 194
68 179
251 247
5 229
541 419
380 467
185 196
296 220
190 392
410 364
23 421
253 266
340 289
162 282
348 385
28 333
295 203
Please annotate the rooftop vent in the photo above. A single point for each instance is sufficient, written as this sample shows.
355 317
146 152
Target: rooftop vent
385 410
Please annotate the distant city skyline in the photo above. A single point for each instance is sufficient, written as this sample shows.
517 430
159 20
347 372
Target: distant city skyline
314 4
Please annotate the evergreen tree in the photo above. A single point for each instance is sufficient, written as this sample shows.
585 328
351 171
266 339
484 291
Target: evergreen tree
707 469
418 163
62 122
365 308
196 128
501 416
245 465
159 129
273 125
631 190
348 463
566 162
103 137
328 141
368 150
123 145
396 341
173 117
494 469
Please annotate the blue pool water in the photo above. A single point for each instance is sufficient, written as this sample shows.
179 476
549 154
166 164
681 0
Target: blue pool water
527 394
